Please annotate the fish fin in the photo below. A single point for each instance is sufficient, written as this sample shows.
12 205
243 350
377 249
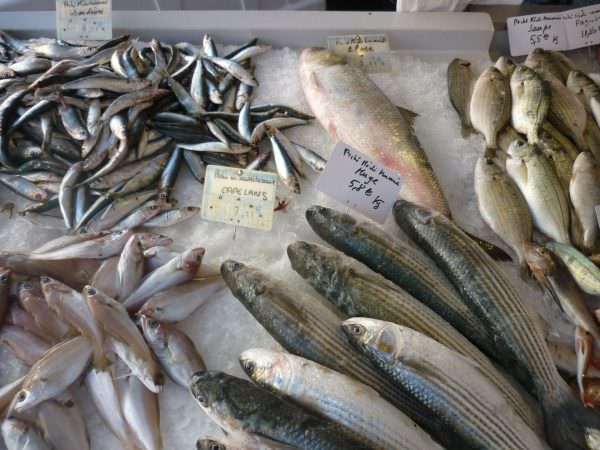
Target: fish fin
493 250
583 350
466 130
409 116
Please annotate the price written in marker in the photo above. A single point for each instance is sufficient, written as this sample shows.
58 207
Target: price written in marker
370 52
352 178
567 30
84 20
239 197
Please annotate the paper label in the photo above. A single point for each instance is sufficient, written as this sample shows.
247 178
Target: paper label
367 51
83 20
583 26
239 197
359 182
567 30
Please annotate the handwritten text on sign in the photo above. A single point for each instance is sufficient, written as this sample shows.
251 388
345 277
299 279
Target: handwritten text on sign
84 20
359 182
239 197
367 51
565 30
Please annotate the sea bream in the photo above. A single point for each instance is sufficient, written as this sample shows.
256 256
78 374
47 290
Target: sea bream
354 110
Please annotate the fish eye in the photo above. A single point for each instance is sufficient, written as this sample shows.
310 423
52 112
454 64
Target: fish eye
356 330
45 279
154 324
91 291
202 399
21 396
4 278
216 446
249 366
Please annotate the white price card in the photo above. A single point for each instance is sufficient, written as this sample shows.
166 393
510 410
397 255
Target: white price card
83 20
352 178
567 30
239 197
545 31
583 26
368 51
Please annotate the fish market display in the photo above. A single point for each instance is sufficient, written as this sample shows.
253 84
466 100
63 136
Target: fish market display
116 335
84 130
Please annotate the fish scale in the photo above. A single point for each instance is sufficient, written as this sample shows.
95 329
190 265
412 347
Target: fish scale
496 301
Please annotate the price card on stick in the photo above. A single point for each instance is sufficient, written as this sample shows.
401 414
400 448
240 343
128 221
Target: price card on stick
367 51
239 197
359 182
545 31
83 20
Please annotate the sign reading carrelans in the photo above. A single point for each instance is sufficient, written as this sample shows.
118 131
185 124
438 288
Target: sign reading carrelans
359 182
83 20
239 197
567 30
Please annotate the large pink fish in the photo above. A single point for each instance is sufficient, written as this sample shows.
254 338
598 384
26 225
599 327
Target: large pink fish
354 110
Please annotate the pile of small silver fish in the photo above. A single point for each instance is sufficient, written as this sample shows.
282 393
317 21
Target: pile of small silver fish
87 129
114 328
538 182
405 346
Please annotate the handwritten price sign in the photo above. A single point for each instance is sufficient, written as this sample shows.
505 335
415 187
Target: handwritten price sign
565 30
367 51
359 182
239 197
84 20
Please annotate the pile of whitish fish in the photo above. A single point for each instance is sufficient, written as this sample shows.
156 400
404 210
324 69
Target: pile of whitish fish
538 182
84 129
402 346
113 327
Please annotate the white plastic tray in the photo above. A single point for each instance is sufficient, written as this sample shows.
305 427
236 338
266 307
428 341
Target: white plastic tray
461 33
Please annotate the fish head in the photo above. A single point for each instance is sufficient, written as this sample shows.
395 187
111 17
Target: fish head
209 443
4 276
523 73
13 430
412 217
519 148
505 65
153 330
586 163
154 239
326 221
360 330
191 260
51 286
266 367
26 398
314 261
207 387
315 58
100 303
245 282
539 260
576 81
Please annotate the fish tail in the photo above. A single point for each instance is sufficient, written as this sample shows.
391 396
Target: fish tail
566 420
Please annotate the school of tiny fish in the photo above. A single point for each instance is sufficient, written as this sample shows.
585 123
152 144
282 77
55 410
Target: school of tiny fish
434 343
